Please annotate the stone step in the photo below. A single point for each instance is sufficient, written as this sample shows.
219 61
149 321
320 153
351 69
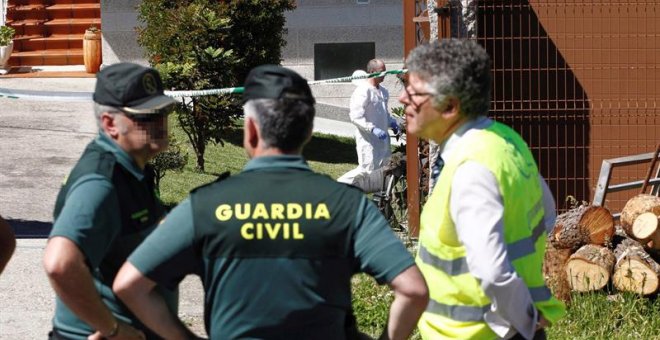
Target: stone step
56 41
47 57
57 11
51 2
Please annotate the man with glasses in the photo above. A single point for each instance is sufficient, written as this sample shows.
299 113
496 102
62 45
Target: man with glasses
483 229
107 206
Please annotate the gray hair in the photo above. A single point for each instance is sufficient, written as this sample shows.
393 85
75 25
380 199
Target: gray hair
284 124
374 65
454 68
99 109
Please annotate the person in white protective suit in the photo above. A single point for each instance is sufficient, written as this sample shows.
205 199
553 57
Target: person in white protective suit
369 114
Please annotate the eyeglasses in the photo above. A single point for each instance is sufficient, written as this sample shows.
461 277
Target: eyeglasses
416 94
411 95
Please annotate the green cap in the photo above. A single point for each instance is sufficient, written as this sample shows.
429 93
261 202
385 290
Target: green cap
132 88
276 82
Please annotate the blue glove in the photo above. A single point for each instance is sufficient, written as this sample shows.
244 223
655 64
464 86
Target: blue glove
394 126
382 135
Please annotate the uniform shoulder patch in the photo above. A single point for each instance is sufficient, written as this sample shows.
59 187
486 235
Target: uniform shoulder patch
220 178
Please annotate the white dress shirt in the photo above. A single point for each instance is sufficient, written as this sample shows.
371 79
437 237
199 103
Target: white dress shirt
477 209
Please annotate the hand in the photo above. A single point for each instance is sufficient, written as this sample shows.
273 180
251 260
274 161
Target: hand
543 323
382 135
394 126
125 331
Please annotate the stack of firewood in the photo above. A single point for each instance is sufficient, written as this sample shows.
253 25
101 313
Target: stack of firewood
585 250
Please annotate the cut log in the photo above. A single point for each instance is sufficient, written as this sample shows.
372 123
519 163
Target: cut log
590 268
554 263
645 227
636 206
635 270
583 225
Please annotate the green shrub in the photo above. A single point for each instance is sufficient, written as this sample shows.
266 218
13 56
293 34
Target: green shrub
207 44
6 35
173 159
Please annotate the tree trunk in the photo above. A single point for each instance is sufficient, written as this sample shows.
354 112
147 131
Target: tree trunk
635 270
636 206
582 225
554 262
590 268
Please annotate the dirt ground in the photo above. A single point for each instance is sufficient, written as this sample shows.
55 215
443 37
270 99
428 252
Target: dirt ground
39 142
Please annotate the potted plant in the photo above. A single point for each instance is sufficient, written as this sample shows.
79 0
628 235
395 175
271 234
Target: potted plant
92 49
6 44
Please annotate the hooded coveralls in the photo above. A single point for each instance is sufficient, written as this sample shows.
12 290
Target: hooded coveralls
368 109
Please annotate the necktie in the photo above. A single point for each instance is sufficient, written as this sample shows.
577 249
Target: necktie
435 171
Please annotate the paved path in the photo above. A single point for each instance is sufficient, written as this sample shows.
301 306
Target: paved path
39 143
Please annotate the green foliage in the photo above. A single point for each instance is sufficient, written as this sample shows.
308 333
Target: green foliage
204 44
597 315
399 112
371 304
6 35
230 156
173 159
257 32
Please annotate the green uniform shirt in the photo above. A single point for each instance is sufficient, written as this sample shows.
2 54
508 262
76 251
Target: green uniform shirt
276 247
89 213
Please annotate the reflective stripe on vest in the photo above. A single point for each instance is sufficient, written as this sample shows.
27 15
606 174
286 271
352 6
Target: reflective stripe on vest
458 266
476 313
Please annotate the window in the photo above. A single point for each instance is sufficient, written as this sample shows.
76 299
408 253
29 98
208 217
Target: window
336 60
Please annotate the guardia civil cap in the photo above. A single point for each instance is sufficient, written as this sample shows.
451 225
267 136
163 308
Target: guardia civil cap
276 82
132 88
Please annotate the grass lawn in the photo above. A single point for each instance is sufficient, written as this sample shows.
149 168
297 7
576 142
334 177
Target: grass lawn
590 316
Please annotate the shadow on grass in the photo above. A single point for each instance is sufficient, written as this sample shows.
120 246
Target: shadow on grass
321 148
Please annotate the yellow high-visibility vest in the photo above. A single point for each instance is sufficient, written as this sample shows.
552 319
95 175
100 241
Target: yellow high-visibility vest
458 303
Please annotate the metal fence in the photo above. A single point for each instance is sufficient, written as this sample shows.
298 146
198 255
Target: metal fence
579 80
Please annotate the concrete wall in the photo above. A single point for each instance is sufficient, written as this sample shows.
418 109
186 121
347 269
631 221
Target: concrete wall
118 22
340 21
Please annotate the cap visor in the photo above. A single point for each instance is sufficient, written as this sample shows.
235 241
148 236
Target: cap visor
152 105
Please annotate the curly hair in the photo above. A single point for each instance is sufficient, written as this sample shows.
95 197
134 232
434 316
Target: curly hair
454 68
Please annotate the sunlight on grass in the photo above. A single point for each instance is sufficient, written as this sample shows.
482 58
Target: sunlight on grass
327 154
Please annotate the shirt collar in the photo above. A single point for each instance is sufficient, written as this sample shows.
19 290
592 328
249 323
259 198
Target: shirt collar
280 161
446 148
126 161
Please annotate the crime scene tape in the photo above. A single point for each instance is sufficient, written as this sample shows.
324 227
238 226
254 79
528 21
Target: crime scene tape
87 96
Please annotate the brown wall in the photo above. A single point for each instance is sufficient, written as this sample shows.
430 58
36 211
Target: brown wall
580 82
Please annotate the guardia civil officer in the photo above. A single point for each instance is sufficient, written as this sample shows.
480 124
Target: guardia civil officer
107 206
277 243
483 229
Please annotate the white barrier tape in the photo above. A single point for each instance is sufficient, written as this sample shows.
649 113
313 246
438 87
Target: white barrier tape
364 76
46 95
200 93
87 96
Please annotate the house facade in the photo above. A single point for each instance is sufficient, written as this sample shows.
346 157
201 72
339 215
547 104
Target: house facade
325 39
